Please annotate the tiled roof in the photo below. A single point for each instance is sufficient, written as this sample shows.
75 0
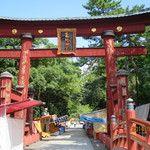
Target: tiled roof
144 11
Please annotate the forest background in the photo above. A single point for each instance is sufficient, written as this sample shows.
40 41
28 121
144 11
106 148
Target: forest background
68 89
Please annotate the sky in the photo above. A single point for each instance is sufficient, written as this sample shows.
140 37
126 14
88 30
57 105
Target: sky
53 9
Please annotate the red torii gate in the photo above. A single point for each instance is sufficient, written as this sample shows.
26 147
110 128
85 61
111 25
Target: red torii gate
108 27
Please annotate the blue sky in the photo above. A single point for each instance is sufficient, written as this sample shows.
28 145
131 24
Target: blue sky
52 9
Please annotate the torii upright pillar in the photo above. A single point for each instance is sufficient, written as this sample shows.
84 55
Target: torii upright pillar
24 68
108 37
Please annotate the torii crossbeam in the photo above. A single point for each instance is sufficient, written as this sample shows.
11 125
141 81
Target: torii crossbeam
80 52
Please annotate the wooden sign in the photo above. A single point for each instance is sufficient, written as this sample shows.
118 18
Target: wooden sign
66 40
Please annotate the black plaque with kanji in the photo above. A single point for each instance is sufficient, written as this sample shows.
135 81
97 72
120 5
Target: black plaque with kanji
66 41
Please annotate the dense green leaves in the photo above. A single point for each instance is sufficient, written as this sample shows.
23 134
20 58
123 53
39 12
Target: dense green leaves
94 87
56 81
101 7
138 66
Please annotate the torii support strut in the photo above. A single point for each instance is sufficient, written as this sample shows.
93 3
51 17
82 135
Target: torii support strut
108 37
24 69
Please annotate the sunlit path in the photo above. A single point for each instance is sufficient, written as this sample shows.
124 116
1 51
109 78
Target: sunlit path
72 139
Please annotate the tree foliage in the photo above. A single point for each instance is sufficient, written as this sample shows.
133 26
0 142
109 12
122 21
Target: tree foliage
138 66
101 7
56 80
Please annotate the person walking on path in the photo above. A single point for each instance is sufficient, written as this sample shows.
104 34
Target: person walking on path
74 124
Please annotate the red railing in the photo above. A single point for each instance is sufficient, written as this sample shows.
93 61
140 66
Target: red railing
127 134
130 134
140 127
105 139
118 135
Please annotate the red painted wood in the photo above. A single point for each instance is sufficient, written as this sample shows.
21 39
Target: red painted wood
130 24
10 53
105 139
16 95
24 70
124 133
81 52
96 135
129 51
110 72
113 134
50 31
5 90
32 138
17 106
142 141
130 144
122 97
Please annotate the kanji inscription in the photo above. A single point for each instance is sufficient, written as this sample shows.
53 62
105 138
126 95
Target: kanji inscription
66 41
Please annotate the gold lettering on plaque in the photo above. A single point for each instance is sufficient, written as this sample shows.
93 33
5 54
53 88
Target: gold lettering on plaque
66 40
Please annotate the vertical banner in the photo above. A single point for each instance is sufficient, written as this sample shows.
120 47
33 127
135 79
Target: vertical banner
16 133
5 143
66 40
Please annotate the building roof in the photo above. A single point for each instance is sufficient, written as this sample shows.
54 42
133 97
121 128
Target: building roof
95 114
129 23
144 11
143 111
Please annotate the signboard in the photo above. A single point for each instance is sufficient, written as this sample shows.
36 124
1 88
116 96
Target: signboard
66 40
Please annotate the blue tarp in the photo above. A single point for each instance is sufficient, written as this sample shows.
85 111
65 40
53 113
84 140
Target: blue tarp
90 119
61 130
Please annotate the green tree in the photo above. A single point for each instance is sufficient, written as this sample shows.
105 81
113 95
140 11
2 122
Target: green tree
94 91
94 79
138 66
79 110
56 81
95 86
102 7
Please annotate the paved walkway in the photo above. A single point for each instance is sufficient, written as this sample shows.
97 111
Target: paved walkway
72 139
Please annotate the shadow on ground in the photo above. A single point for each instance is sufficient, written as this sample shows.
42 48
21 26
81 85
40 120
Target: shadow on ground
97 144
